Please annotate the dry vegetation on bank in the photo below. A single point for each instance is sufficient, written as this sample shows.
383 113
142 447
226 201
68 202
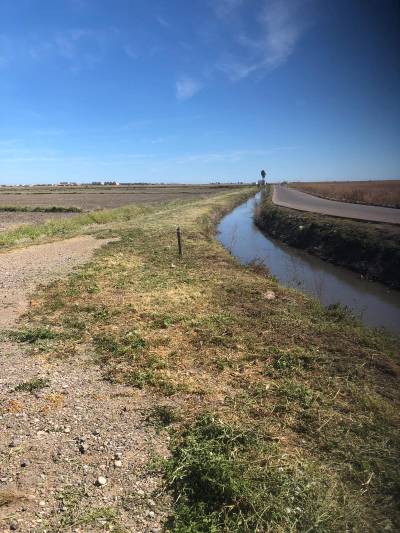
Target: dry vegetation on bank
284 415
383 192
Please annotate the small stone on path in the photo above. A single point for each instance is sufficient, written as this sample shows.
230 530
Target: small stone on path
101 481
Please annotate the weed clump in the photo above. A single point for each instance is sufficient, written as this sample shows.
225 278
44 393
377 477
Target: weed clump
124 346
162 416
32 335
340 313
32 385
295 360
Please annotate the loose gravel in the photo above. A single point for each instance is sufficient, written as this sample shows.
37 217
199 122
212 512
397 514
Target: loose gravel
76 454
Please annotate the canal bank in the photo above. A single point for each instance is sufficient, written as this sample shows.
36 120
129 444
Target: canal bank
375 304
370 249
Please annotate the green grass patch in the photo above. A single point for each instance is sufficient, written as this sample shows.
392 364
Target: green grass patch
126 346
33 335
32 385
229 479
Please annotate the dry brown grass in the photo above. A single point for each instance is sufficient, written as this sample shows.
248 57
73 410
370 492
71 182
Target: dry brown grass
383 193
8 497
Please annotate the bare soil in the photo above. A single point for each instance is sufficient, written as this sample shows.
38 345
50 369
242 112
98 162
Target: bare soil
56 441
99 197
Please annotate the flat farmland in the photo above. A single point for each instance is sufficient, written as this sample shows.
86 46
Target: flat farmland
97 197
384 193
87 198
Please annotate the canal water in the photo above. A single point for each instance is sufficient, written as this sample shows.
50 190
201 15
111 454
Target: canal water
375 304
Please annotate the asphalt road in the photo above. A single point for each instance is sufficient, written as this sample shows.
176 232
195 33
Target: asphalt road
287 197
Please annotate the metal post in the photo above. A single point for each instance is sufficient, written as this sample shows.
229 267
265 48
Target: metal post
178 234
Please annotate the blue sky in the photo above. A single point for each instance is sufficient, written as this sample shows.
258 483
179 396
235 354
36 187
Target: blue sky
199 90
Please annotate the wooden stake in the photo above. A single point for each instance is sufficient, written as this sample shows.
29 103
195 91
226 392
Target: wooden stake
179 237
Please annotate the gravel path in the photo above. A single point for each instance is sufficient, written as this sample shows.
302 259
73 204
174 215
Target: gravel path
23 269
74 455
287 197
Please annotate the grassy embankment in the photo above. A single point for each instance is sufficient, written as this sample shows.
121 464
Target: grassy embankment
369 248
285 415
380 192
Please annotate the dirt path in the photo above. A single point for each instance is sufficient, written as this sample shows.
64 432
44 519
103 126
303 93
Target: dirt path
287 197
58 441
23 269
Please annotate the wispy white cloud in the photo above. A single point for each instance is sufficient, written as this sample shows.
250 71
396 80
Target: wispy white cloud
229 155
130 51
67 43
280 23
32 156
161 140
224 8
187 87
81 48
162 21
248 37
284 26
78 4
